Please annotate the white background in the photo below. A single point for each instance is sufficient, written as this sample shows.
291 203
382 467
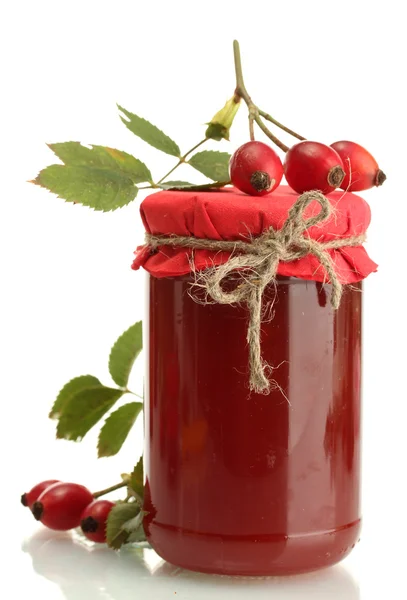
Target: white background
333 70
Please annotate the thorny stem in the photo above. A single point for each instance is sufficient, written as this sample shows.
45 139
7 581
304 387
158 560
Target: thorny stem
110 489
254 113
181 160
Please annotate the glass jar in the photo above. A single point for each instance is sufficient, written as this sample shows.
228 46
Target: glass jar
240 483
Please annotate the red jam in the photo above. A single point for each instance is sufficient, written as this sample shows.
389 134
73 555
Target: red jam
247 484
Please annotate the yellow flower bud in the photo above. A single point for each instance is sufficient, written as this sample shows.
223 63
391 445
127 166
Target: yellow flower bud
220 124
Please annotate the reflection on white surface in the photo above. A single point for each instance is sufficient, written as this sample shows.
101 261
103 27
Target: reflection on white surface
86 571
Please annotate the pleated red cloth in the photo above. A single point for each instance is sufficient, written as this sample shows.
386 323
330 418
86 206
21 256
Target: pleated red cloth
228 214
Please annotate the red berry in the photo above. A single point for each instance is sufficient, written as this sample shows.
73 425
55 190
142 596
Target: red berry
313 166
361 169
256 169
30 497
94 518
61 505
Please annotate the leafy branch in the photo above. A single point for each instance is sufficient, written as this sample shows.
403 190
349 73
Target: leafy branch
105 179
82 403
125 520
84 400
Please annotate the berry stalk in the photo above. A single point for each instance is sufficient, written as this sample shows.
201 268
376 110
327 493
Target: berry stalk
268 117
110 489
255 113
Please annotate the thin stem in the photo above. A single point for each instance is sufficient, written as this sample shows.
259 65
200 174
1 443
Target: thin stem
181 160
137 498
193 148
251 126
127 391
243 93
203 187
268 133
268 117
240 86
110 489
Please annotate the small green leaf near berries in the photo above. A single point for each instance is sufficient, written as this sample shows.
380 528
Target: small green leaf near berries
212 164
116 428
149 133
84 410
124 352
95 187
103 157
120 514
70 389
137 478
166 185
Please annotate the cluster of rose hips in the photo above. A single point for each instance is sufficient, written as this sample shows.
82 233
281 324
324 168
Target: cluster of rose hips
64 506
256 169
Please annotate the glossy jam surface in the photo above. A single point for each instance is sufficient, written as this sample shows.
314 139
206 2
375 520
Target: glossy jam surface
248 484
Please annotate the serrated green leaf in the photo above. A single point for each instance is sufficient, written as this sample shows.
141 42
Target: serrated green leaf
134 524
149 133
137 478
84 410
116 428
170 184
110 159
137 536
120 514
212 164
70 389
124 352
96 187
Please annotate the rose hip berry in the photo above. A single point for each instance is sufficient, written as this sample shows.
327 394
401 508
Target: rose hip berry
94 518
256 169
61 505
30 497
313 166
361 169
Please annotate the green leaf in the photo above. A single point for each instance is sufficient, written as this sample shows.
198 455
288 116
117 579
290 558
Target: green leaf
116 428
120 514
137 478
70 389
212 164
170 184
132 525
96 187
84 410
102 157
137 536
124 352
149 133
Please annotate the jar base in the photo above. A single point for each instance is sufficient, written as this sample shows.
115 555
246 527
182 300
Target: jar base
267 555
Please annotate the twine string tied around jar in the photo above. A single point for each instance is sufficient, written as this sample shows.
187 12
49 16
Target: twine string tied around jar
257 261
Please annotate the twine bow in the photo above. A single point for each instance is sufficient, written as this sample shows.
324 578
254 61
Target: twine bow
261 256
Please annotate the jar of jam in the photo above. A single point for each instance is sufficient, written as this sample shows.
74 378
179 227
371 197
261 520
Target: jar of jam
239 482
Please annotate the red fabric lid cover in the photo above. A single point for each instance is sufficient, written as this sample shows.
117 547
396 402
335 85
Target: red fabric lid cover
231 215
